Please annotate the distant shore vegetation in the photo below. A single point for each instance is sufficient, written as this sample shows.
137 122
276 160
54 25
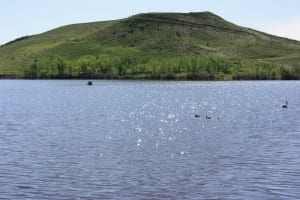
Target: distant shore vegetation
158 68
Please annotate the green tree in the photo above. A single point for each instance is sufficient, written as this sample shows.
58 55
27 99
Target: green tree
33 70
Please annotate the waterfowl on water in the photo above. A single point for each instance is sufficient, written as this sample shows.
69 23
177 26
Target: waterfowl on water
285 105
196 115
208 117
90 83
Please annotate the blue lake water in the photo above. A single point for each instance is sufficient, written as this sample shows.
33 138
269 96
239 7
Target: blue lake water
141 140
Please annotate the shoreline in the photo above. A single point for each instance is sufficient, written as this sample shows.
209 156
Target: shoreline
144 79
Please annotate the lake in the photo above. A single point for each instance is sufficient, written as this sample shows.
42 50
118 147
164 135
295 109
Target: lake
141 140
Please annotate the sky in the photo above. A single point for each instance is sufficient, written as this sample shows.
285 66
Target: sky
26 17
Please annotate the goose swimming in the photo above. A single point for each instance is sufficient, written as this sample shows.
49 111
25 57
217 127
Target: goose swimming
285 105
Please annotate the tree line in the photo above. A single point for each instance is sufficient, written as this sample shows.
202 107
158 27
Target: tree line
173 68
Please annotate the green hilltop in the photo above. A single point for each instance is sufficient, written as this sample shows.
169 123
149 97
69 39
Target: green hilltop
185 46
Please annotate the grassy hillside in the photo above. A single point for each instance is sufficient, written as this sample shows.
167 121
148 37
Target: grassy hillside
153 45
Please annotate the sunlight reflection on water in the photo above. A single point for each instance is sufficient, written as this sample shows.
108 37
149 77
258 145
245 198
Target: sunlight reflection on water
141 140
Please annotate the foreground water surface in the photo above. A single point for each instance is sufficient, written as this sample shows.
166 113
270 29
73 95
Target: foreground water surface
141 140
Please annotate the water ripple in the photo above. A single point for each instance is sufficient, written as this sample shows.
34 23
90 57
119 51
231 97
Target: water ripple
141 140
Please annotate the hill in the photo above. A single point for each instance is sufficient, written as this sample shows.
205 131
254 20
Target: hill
153 46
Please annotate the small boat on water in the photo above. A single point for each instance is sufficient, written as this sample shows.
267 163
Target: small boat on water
90 83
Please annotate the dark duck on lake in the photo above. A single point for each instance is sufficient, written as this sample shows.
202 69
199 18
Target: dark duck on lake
208 117
90 83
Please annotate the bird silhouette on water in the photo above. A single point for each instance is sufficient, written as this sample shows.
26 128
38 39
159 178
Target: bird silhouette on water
208 117
285 105
90 83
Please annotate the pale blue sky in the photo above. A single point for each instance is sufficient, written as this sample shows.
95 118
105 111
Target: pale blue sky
26 17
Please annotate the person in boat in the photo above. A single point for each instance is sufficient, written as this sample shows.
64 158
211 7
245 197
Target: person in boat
90 83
